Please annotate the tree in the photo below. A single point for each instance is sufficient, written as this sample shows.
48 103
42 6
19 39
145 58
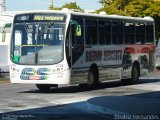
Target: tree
71 5
106 2
120 3
113 6
137 8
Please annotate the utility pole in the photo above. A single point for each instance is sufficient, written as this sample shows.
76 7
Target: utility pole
2 5
52 3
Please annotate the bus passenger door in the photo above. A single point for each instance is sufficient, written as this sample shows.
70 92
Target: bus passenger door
77 48
77 43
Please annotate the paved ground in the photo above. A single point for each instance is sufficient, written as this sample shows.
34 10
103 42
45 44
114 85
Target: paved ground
21 102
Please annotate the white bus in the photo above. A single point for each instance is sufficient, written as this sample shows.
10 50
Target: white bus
49 48
6 18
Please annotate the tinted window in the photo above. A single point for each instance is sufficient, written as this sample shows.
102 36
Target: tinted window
140 33
91 31
104 28
149 33
117 32
129 29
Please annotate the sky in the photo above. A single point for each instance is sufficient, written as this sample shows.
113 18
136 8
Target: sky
21 5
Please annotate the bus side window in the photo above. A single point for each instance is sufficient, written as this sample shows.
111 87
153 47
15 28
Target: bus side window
117 32
140 33
91 32
149 33
129 29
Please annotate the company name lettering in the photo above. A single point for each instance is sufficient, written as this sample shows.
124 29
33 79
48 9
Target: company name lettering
54 18
112 55
106 55
92 56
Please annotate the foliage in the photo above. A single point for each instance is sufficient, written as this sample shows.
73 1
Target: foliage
106 2
71 5
142 8
136 8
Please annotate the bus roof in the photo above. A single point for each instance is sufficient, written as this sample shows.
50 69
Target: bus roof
70 12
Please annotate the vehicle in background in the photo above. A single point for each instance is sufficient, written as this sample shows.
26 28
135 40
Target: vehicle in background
49 48
6 19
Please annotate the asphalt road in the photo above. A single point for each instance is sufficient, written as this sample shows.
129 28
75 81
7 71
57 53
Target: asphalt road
25 102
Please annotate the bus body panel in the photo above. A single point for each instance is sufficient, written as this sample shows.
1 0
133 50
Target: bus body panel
55 74
113 62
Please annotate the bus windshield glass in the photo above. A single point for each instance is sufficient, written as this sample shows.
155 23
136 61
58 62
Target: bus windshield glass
38 39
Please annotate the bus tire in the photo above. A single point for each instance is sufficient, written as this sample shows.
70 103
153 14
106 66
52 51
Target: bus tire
43 87
93 77
134 76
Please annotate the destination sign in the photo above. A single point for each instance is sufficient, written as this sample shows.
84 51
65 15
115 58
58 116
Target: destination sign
48 18
40 17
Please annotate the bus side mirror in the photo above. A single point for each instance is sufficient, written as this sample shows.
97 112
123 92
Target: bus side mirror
78 30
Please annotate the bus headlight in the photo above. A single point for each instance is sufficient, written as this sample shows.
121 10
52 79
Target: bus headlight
13 68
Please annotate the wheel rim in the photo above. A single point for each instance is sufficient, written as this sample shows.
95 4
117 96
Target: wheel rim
90 78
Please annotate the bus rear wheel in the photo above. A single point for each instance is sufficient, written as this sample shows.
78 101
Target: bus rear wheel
134 76
43 87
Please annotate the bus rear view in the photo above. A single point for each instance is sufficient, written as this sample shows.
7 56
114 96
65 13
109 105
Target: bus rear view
37 49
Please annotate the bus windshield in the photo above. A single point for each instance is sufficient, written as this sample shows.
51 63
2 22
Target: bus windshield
38 39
